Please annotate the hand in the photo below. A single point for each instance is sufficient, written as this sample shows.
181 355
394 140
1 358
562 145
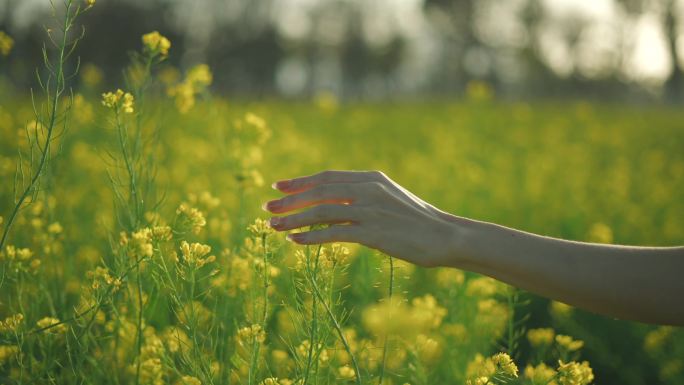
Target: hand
364 207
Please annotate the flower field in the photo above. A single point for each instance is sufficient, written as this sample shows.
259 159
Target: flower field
135 250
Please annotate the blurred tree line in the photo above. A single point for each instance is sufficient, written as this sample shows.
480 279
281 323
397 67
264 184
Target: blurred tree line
359 49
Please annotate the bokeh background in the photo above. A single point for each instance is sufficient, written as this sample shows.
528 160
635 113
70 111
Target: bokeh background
618 50
560 117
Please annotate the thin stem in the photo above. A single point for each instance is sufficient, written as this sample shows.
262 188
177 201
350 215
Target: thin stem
59 88
384 349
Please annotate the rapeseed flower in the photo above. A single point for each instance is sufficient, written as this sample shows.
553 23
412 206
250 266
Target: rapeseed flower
156 44
188 380
119 100
48 322
540 374
195 254
191 217
567 343
247 334
540 337
574 373
11 323
505 364
346 372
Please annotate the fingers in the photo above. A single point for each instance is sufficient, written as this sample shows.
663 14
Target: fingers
336 233
329 176
333 193
327 213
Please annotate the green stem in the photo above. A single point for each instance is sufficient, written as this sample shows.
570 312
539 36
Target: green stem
384 349
59 88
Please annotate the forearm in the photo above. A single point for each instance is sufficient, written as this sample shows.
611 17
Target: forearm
638 283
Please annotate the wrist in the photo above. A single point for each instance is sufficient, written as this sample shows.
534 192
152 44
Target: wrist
462 234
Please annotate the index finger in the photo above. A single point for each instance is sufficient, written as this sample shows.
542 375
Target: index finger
304 183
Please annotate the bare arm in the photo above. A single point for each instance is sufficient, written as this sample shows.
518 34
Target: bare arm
638 283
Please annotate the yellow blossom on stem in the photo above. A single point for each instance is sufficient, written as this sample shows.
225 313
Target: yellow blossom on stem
574 373
156 44
194 254
119 100
346 372
51 325
568 343
11 323
246 334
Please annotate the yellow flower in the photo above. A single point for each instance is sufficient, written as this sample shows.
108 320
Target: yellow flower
269 381
141 243
540 374
655 339
118 100
90 3
574 373
260 228
600 233
192 217
156 44
505 364
6 352
11 323
427 349
6 43
194 254
196 80
199 76
540 337
188 380
346 372
568 343
247 334
48 322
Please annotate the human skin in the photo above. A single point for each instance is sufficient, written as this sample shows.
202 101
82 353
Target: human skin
644 284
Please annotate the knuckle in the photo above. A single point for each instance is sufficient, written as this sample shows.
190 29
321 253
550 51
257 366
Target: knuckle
326 176
378 175
377 188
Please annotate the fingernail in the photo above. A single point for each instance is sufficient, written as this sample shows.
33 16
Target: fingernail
272 205
263 206
294 237
274 185
275 221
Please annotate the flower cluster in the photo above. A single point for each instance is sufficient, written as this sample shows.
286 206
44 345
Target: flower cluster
191 218
20 259
100 275
248 334
481 370
574 373
195 254
155 44
51 325
11 323
196 81
119 100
